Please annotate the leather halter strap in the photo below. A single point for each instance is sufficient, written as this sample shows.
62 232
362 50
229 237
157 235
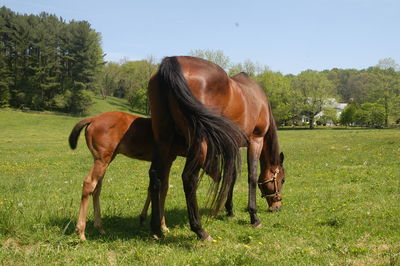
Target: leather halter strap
275 194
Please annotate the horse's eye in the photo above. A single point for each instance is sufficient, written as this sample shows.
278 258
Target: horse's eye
283 180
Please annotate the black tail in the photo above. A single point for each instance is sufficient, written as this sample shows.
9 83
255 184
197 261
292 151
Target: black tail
222 136
74 135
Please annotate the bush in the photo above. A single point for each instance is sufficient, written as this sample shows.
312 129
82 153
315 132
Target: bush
138 101
329 117
4 95
347 117
366 114
80 101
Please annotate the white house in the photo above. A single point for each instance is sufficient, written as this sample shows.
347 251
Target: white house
332 104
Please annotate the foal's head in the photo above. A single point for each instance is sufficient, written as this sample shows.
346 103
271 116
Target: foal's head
271 184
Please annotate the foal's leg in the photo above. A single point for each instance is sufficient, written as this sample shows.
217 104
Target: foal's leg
190 179
96 207
163 196
143 214
89 185
253 155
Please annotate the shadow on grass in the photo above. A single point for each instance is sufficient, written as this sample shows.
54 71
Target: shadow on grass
330 128
125 106
114 102
127 228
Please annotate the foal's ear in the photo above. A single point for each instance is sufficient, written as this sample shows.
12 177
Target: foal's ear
281 158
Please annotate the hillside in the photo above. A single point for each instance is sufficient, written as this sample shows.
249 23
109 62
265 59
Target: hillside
109 104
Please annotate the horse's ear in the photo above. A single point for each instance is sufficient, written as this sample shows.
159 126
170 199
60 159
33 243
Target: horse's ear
281 158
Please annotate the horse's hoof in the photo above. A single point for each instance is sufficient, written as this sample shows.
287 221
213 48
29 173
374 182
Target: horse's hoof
142 220
158 237
207 238
230 215
257 225
100 229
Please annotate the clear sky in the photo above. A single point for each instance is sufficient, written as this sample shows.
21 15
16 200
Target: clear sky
288 36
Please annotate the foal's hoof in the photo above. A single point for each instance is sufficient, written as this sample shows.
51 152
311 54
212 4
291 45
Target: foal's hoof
165 229
80 234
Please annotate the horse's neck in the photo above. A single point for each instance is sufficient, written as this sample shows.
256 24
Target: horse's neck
272 143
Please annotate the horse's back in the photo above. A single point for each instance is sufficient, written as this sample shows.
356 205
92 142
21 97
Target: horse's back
251 89
208 82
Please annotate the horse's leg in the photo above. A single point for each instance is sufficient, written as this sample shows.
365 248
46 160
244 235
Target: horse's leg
229 199
253 155
163 195
89 185
158 181
190 178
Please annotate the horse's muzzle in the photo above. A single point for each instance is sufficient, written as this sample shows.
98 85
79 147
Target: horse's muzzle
276 206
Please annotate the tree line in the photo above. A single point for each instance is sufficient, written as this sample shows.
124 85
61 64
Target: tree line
372 94
49 64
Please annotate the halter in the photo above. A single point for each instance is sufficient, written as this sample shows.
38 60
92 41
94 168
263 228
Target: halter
274 179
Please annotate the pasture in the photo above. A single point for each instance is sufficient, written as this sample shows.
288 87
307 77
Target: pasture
341 203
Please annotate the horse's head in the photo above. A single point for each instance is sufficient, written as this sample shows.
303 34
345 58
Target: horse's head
271 183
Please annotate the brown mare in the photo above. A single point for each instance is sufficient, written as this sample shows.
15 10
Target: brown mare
194 101
108 135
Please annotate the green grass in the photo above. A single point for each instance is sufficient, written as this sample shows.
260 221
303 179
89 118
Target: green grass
341 203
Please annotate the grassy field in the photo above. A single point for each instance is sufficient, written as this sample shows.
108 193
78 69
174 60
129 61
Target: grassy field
341 203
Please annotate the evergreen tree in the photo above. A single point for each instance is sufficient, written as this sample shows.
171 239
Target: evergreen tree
46 63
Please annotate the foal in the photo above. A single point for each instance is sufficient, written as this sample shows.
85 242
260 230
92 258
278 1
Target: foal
107 135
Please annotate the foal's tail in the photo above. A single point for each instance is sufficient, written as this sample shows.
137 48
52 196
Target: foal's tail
223 137
74 135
